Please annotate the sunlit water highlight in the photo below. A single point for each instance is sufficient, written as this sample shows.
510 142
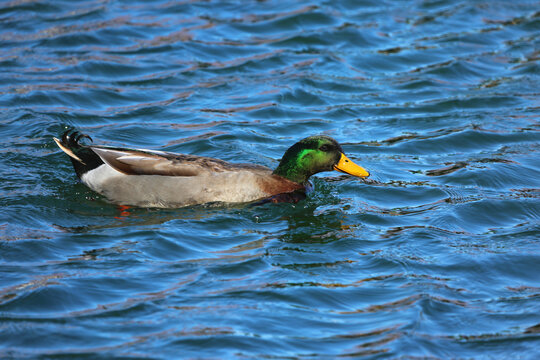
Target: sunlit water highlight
436 256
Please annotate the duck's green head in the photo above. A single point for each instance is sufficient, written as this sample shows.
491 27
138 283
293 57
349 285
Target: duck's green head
313 155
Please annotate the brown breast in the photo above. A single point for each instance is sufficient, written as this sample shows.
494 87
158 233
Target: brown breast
275 184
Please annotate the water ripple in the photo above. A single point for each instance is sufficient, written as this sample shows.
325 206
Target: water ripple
436 255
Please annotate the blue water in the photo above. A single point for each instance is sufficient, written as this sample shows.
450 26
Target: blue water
437 255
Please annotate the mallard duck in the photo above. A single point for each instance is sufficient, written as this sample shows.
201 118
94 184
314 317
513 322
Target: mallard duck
149 178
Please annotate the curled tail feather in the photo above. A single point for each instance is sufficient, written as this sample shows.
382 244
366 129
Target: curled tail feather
70 140
83 158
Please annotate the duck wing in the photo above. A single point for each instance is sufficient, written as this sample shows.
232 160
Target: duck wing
147 162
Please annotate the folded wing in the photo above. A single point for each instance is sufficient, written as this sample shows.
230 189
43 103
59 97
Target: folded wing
145 162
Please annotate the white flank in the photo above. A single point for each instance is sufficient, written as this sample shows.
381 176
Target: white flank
173 191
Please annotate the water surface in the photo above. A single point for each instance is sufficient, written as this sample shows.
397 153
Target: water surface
436 256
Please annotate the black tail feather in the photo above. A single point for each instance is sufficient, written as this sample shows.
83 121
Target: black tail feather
79 137
71 138
85 158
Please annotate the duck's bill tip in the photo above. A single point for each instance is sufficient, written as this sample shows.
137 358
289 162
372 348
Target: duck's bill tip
347 166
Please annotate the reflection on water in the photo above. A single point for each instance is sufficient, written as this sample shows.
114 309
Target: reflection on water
436 255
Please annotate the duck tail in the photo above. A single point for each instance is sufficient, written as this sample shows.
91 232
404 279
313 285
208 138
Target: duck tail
82 157
69 142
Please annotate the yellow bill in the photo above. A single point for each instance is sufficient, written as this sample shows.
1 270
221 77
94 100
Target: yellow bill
347 166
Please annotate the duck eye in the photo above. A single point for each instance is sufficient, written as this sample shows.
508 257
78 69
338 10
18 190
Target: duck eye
325 148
